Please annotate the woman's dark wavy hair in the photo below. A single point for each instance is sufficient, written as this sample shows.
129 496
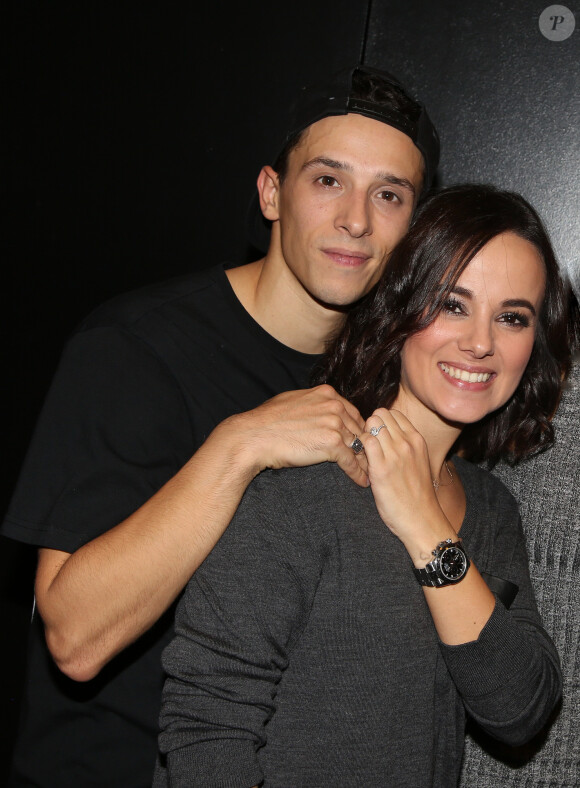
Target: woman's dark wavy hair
449 228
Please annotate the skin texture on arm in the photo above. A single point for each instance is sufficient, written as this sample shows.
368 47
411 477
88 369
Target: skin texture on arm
98 600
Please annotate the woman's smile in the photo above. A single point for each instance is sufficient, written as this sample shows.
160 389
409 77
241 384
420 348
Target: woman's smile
461 374
471 358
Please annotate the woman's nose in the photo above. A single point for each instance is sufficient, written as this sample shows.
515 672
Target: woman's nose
477 338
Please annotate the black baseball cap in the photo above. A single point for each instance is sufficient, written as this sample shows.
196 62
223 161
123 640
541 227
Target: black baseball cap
338 96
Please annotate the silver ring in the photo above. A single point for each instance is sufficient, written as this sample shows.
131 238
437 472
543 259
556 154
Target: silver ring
357 445
375 430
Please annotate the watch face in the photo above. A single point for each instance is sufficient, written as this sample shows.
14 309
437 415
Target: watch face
453 563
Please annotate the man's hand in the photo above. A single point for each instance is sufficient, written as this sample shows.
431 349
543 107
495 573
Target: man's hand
110 591
300 428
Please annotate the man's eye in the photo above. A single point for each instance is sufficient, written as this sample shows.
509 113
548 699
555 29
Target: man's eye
388 196
327 180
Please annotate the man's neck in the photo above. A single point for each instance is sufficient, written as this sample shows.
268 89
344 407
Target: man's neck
282 307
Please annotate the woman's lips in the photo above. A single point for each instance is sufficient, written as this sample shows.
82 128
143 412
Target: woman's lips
468 377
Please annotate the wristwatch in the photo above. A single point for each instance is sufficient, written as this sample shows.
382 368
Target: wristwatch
449 565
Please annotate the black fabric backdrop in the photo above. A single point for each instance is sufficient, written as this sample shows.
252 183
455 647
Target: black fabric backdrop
132 136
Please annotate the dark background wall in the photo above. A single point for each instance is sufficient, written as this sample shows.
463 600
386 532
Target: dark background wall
505 98
132 138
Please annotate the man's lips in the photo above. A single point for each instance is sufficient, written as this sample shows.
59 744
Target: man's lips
346 256
466 375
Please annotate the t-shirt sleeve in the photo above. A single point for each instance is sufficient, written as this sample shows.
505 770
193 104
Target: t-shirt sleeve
235 626
113 429
509 678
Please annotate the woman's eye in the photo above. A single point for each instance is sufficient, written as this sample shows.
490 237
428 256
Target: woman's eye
453 307
515 319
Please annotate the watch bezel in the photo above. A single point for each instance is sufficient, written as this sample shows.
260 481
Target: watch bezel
459 551
433 574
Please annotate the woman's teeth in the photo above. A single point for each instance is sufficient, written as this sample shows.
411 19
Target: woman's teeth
463 374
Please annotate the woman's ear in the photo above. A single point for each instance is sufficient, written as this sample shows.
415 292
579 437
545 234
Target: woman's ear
268 192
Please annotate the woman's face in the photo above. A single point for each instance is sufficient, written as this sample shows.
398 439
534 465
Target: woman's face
469 361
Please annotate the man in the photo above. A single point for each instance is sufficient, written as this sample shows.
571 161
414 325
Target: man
164 409
546 488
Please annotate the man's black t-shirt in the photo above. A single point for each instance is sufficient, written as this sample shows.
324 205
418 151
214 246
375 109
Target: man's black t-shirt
141 384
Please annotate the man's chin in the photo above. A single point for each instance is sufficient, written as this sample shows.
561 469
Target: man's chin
340 301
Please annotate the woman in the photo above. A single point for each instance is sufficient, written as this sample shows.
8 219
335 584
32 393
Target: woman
337 636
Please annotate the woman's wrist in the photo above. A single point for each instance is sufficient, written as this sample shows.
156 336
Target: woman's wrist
420 545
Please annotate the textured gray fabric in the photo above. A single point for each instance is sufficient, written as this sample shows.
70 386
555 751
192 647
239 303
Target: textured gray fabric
306 631
547 489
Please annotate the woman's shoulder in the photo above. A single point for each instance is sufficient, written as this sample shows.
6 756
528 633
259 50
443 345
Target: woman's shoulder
298 506
483 486
307 484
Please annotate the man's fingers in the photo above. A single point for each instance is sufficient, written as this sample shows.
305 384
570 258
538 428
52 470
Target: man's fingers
353 413
347 410
354 466
309 426
348 428
357 475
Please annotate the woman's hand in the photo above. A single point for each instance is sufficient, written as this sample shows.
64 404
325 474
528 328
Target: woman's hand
402 484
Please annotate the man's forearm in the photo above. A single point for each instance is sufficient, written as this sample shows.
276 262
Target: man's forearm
98 600
101 598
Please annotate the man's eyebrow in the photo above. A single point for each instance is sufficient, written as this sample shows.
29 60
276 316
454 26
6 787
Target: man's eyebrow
513 302
334 164
323 161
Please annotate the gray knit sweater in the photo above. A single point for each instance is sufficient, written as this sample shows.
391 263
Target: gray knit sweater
547 488
305 654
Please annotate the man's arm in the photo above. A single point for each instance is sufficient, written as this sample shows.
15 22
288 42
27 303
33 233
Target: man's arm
99 599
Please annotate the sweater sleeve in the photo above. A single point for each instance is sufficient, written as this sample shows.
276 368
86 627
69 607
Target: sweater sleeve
239 617
509 678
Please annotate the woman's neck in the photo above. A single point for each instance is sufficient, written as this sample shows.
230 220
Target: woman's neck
439 435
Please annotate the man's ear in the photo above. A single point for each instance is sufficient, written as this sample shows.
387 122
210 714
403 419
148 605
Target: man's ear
269 192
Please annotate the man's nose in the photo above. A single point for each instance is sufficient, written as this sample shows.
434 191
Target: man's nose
354 214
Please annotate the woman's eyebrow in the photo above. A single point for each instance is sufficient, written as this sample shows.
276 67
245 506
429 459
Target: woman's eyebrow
466 293
520 302
462 291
